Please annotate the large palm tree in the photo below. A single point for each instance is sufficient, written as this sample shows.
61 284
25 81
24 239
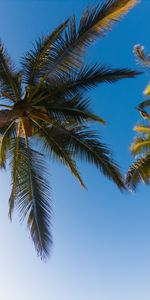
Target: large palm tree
45 114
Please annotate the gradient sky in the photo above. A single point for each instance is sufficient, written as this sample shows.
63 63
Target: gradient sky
101 237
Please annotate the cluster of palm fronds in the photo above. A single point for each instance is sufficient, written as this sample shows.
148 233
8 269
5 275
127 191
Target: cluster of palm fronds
140 169
47 115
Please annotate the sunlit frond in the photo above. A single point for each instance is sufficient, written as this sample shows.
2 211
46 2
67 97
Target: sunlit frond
147 90
138 172
140 145
95 22
141 128
99 19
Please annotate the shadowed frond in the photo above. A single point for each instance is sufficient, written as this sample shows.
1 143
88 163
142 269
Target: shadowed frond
53 147
5 140
35 59
85 145
86 78
143 104
13 156
9 79
72 108
138 172
69 112
31 193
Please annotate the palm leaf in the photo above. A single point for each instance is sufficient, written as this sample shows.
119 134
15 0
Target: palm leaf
9 79
141 128
7 134
98 20
52 145
85 145
86 78
140 145
95 22
66 113
13 156
143 104
139 172
35 59
73 108
141 56
31 193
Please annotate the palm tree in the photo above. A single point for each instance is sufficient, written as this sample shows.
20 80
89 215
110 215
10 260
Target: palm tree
45 114
139 171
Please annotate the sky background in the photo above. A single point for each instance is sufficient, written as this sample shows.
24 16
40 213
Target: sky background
101 244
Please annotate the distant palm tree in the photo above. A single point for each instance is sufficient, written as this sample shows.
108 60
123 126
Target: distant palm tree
45 113
139 171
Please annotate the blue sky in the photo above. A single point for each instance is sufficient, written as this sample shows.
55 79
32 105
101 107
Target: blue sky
101 237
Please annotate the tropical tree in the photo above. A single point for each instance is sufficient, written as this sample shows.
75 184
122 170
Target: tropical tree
45 113
139 171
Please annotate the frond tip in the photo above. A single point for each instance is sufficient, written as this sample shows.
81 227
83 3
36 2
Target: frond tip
99 19
112 11
142 58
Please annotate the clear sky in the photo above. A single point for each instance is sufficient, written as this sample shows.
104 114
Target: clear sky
101 237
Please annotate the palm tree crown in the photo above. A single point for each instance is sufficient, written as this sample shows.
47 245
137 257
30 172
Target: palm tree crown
45 113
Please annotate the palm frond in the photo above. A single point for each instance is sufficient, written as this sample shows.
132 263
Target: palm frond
86 78
73 108
13 156
141 56
66 113
143 129
146 91
53 146
140 145
143 104
34 61
8 133
30 193
85 145
95 22
98 20
138 172
9 79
